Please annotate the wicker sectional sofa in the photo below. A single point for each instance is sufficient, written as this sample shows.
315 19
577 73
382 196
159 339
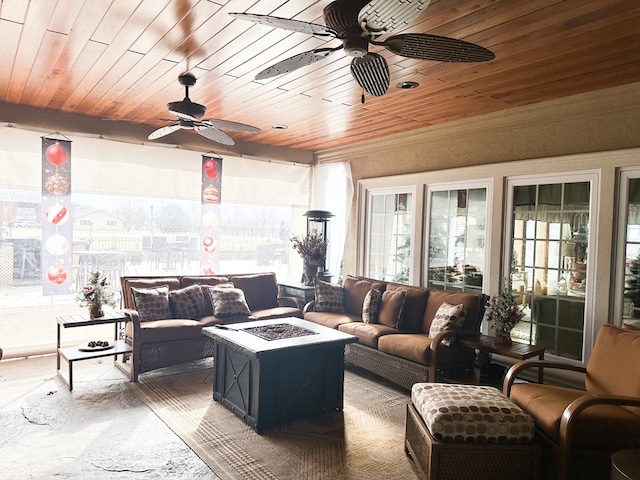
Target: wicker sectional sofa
159 342
398 346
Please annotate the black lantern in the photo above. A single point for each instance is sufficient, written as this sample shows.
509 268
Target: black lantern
318 223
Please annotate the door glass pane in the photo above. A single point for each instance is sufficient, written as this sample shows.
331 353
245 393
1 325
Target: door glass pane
456 239
390 226
631 310
549 264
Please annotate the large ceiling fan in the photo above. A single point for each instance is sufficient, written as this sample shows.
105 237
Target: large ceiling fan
359 23
189 114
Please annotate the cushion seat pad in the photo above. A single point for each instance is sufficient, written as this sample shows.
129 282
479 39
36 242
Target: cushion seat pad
602 427
331 319
416 347
471 414
163 330
367 333
211 320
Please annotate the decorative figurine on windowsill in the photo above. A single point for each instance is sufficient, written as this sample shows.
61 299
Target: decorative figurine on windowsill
502 313
96 294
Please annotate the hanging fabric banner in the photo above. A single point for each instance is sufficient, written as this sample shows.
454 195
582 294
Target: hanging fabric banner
57 230
210 214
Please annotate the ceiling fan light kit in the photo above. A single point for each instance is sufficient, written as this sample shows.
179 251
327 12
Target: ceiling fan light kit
189 113
359 23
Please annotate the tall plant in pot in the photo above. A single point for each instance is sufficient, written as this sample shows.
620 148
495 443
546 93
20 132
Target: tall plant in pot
313 250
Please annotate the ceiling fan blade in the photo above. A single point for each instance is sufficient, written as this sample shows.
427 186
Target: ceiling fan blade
372 73
229 125
287 24
440 49
162 131
212 133
297 61
384 16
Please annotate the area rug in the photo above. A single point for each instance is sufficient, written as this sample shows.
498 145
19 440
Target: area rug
365 441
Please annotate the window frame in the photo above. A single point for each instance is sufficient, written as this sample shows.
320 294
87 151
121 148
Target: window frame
591 176
448 187
368 196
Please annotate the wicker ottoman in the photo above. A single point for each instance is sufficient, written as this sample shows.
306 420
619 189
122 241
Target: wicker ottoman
469 432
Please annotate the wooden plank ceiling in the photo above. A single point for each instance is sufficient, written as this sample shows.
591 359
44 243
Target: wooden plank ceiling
120 59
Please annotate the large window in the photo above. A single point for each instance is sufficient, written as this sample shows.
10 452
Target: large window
134 210
457 238
390 225
547 262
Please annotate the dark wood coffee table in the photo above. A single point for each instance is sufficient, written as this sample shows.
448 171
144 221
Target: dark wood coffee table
266 382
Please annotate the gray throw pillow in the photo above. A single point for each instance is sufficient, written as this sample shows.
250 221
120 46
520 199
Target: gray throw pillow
228 302
188 302
152 303
329 297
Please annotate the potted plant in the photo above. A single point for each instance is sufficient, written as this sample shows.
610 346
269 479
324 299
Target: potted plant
503 314
313 250
95 294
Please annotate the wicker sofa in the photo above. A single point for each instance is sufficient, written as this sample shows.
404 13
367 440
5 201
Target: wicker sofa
161 342
401 351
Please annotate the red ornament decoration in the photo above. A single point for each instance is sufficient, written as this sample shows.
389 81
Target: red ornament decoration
209 244
56 154
56 274
57 214
208 269
210 169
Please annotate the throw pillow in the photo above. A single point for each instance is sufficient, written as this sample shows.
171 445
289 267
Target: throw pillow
391 307
228 302
448 317
188 302
371 306
208 310
329 297
152 303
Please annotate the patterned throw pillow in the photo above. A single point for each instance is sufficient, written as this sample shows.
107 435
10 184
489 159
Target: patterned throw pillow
152 303
329 297
228 302
448 317
188 302
371 306
208 309
391 307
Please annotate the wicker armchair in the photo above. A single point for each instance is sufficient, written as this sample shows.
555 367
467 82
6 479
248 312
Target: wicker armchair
580 429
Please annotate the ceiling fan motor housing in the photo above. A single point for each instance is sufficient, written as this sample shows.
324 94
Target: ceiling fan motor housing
342 17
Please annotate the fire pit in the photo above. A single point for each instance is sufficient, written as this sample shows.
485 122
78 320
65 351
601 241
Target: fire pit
278 331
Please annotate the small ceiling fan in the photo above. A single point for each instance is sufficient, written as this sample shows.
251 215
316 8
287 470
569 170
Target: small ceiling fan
359 23
189 114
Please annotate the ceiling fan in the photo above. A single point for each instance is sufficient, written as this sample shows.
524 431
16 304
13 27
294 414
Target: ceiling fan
359 23
189 114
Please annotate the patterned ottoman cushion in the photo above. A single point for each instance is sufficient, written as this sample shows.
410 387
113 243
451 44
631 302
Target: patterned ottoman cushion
467 413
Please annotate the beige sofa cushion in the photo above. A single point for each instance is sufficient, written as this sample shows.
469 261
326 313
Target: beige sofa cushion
414 306
415 347
367 333
391 307
260 289
141 282
355 289
166 330
330 319
471 302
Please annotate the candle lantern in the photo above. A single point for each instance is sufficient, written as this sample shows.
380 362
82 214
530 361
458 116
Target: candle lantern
318 223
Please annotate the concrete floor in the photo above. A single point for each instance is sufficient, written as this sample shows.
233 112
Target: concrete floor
101 430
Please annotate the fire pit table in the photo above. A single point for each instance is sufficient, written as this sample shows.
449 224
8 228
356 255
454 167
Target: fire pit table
270 371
